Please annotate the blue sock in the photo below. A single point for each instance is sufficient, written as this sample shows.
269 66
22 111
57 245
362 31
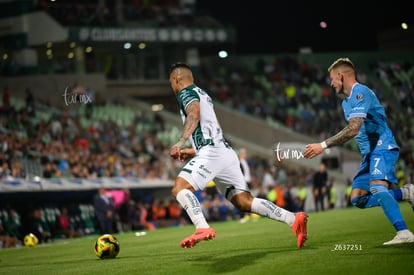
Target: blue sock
389 205
373 202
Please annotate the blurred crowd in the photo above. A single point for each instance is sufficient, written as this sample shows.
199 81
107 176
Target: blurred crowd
65 148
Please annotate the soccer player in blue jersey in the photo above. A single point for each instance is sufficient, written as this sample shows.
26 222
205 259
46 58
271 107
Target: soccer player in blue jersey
211 158
367 123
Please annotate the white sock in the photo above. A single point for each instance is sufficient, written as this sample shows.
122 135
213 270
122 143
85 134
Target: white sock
191 205
269 209
405 231
405 193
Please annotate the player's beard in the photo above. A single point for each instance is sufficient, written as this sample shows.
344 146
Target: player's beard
341 90
340 93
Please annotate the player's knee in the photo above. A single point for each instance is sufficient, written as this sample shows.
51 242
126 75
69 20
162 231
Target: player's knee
360 201
174 192
377 188
245 207
243 201
180 184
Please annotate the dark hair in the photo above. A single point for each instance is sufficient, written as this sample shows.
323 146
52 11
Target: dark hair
179 65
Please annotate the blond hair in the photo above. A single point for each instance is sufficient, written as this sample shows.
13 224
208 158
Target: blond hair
342 62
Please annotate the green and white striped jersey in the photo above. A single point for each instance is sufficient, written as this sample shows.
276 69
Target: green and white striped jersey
208 131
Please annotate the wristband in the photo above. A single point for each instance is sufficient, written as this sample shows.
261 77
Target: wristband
323 144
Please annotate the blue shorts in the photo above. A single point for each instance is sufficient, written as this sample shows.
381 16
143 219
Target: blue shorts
378 165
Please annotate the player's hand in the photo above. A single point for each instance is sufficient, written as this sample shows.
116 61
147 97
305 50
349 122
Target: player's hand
186 154
176 148
312 150
175 152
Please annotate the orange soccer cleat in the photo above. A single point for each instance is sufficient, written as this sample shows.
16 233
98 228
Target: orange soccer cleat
201 234
299 228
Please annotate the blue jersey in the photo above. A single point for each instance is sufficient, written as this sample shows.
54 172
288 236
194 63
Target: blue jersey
374 133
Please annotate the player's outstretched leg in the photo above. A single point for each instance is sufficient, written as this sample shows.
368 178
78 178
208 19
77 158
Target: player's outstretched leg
203 232
393 213
296 221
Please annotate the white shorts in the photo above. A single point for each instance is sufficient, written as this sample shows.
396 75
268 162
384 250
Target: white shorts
218 163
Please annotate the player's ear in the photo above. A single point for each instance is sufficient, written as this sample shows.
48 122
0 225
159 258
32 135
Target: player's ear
178 79
174 79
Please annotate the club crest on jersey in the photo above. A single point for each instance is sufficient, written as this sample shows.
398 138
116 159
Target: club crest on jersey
359 97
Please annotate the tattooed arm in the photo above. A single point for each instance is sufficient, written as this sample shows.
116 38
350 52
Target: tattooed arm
190 124
346 134
192 119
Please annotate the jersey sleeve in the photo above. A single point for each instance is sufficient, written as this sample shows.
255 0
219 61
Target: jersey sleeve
187 96
360 102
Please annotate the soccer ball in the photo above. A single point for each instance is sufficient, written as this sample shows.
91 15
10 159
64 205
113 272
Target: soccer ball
30 240
107 246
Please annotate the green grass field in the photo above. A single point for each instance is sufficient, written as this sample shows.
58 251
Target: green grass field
343 241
